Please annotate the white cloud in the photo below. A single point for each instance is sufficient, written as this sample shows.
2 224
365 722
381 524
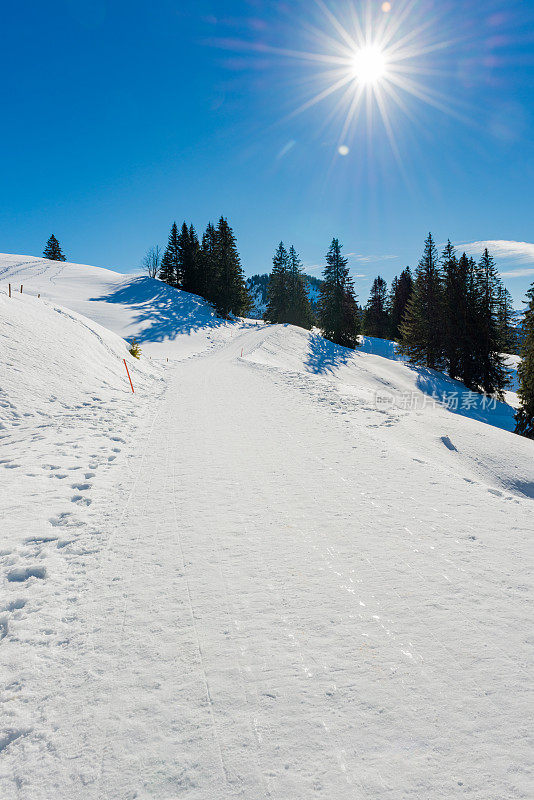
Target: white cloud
512 254
370 259
518 273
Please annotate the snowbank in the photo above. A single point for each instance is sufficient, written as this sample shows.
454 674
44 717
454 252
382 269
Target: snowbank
167 322
67 420
418 410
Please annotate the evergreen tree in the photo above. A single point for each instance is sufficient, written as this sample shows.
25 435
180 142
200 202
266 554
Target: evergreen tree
189 255
231 292
525 371
298 304
493 376
455 277
421 330
170 270
338 310
505 322
401 291
207 264
277 289
376 319
53 250
468 323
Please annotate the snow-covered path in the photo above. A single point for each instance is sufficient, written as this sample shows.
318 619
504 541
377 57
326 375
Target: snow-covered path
277 614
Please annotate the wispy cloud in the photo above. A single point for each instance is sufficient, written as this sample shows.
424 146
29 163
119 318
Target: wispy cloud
513 254
362 259
518 273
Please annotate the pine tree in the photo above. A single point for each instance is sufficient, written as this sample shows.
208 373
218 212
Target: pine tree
189 254
455 278
277 290
525 371
468 324
421 330
493 373
53 250
298 304
401 291
231 292
338 310
376 319
505 322
208 264
170 271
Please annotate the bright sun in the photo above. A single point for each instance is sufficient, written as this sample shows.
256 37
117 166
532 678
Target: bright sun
369 65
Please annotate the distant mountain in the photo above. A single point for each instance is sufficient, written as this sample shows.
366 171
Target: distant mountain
257 287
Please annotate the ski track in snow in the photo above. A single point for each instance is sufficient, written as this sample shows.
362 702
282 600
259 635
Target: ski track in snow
254 584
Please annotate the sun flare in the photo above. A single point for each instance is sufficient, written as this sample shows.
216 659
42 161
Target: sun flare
369 65
373 61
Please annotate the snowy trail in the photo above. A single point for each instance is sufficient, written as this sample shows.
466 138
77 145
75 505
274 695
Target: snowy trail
279 613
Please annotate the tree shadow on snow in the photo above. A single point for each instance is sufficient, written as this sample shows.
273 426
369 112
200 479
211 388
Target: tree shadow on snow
455 396
324 356
169 312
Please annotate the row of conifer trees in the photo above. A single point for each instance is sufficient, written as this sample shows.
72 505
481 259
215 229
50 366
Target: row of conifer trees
210 268
454 314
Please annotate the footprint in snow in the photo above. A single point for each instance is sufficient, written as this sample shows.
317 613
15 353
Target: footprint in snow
80 500
15 605
21 574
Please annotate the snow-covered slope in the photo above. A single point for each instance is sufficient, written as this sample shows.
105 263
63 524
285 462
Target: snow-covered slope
67 414
167 322
418 411
280 569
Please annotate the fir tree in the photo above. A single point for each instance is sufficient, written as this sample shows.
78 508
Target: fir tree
421 330
231 292
455 276
401 291
525 372
506 330
53 250
298 304
338 310
170 270
468 323
277 289
376 319
493 376
208 265
189 255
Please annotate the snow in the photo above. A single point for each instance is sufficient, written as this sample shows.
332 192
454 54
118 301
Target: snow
166 322
262 575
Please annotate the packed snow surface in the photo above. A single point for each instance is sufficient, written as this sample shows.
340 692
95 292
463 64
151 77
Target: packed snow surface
280 569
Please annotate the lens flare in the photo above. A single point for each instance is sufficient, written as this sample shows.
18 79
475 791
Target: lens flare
373 62
369 64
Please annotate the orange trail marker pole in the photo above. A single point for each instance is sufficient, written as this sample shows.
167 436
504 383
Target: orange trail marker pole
128 373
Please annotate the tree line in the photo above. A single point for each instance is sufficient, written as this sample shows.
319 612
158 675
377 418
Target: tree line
453 314
210 268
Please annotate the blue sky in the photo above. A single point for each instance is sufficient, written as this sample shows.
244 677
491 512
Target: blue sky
120 117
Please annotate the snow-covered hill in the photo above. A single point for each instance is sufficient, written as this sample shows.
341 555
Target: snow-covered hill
165 321
280 569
